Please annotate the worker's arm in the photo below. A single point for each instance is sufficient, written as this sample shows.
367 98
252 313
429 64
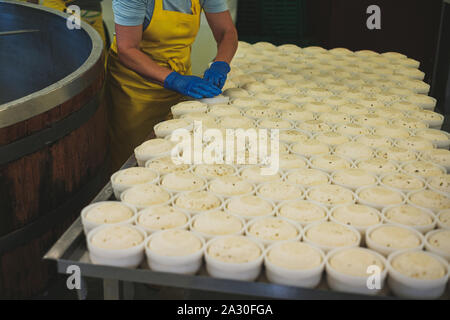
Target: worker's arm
130 54
225 34
226 37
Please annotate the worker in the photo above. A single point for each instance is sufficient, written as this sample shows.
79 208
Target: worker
91 11
149 64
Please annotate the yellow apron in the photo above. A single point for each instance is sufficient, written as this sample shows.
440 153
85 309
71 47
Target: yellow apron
135 105
94 18
56 4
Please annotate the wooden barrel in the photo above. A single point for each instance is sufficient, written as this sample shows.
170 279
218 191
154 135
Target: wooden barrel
53 138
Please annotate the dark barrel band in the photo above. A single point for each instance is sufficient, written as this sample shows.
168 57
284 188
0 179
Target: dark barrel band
43 138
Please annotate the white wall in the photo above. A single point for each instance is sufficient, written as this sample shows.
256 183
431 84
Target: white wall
108 16
204 49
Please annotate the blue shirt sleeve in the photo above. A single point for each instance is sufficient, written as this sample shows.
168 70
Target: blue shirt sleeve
129 12
214 6
133 12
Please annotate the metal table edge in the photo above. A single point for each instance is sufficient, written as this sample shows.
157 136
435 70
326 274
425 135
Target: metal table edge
68 238
199 282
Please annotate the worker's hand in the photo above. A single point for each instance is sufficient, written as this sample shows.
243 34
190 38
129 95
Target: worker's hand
191 86
217 73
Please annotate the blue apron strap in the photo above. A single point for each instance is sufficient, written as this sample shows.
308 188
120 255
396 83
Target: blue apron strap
145 24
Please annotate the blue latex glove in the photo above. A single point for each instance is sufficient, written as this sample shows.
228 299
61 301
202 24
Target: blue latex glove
217 73
191 86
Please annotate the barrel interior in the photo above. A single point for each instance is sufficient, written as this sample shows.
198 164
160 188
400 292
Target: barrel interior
31 62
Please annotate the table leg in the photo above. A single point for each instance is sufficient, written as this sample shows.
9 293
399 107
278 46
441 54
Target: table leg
111 290
83 292
128 290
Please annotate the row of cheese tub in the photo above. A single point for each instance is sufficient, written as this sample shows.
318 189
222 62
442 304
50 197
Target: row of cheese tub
360 199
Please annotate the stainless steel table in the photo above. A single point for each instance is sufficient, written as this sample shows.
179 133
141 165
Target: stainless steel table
70 250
